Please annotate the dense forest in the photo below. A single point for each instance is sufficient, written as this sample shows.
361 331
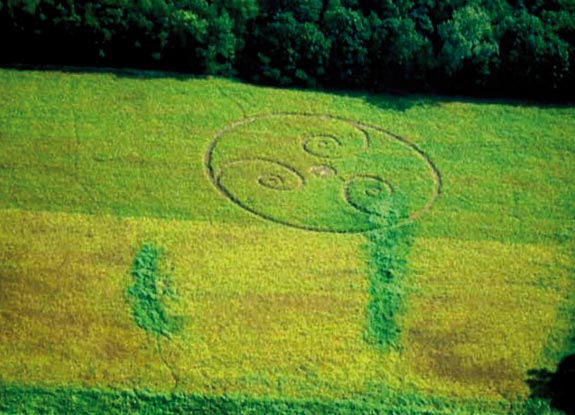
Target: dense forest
482 47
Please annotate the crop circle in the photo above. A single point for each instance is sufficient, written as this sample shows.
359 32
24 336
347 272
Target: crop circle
365 192
323 145
319 172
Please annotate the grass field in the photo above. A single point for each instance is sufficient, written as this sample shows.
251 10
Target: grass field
260 199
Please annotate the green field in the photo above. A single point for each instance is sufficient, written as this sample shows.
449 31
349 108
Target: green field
260 200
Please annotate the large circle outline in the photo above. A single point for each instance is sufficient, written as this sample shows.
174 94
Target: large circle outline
214 179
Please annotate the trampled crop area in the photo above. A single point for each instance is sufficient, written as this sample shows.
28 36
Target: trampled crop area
177 244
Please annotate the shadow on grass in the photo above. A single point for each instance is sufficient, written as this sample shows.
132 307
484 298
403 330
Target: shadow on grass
402 101
120 72
387 99
557 387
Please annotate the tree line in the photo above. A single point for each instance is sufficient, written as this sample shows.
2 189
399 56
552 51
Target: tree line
485 47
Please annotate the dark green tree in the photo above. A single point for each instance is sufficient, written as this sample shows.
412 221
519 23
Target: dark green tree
188 34
468 39
302 10
400 54
292 52
533 56
220 50
464 46
243 14
349 32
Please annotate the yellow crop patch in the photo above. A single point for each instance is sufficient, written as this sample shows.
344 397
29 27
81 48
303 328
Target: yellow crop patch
262 313
267 312
481 314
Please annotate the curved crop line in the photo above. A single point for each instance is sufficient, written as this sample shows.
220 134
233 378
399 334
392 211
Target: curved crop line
300 177
432 168
215 179
236 101
261 215
306 141
167 365
346 190
335 138
267 160
363 127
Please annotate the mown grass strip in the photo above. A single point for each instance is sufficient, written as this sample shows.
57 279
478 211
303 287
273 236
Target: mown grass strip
16 399
152 292
388 246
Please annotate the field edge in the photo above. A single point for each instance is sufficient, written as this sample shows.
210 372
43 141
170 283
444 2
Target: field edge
17 399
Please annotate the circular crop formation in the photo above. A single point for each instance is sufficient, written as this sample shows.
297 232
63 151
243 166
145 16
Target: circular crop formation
319 172
363 193
327 146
